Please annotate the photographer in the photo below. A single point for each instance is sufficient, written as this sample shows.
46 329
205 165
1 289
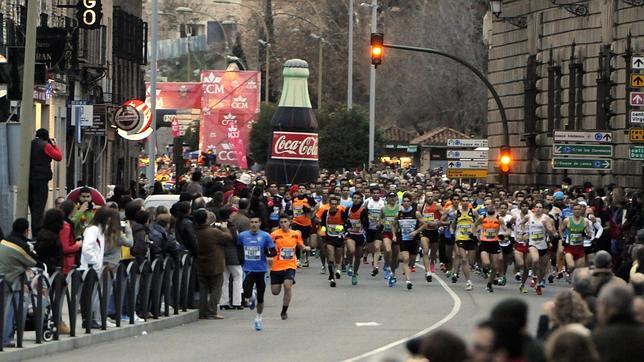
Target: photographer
84 213
43 150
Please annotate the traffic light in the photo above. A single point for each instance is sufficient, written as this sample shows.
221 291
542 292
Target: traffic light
377 46
505 160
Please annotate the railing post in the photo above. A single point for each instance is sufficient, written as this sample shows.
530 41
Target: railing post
87 296
133 272
38 310
2 309
74 278
144 292
157 284
104 294
56 296
119 285
168 275
176 285
20 311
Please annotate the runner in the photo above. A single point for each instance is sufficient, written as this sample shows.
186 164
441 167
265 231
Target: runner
408 226
590 241
332 222
431 215
506 239
374 206
536 226
521 251
276 206
388 215
302 208
449 215
491 225
258 245
575 228
285 262
463 227
358 218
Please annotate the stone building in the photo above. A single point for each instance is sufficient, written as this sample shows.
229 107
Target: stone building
562 67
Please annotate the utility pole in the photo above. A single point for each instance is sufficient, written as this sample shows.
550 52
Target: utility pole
350 61
27 116
372 88
152 142
321 40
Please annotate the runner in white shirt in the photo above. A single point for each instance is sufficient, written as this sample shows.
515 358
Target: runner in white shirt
374 207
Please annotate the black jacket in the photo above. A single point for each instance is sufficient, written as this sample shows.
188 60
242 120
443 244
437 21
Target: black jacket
185 234
162 243
49 250
620 341
40 166
141 245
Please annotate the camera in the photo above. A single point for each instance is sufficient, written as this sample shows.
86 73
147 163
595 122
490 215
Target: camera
217 224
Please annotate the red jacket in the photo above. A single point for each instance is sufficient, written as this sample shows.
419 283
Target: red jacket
70 248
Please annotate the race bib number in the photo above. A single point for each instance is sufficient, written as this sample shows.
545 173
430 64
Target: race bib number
490 233
298 211
576 238
287 253
388 222
356 226
406 227
428 217
275 215
536 236
464 229
252 253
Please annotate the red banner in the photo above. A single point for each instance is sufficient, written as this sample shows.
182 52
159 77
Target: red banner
295 146
172 95
230 105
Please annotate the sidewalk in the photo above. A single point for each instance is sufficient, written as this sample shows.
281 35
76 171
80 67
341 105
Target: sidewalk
65 343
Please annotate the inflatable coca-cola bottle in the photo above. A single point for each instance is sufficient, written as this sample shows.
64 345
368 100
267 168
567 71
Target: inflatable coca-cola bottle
293 155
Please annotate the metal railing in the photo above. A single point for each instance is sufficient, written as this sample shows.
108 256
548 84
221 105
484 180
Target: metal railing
141 288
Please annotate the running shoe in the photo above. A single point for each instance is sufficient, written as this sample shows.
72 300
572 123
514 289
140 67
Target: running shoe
443 268
374 272
380 257
323 270
560 275
413 268
253 300
332 283
284 316
428 277
391 281
313 252
496 281
338 275
454 278
542 283
387 272
568 278
448 273
349 271
517 276
533 282
523 289
551 278
502 281
299 264
305 264
538 289
489 288
432 267
409 286
468 286
354 280
258 324
343 268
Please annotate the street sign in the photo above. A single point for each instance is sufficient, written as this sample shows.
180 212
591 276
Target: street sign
637 99
637 80
475 165
582 164
637 62
83 113
452 154
466 142
574 136
636 134
636 152
582 150
637 117
452 173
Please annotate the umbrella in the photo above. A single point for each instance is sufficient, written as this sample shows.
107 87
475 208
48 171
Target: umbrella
97 198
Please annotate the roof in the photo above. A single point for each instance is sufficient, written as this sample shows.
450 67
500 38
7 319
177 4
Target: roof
396 134
438 136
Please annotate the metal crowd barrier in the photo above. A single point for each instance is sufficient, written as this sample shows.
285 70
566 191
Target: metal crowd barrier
150 283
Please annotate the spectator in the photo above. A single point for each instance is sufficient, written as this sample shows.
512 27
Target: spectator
194 186
185 230
48 247
140 231
568 307
162 242
482 346
158 188
59 201
581 279
15 259
510 318
439 346
130 211
211 263
234 255
43 150
240 218
603 273
618 337
571 343
85 211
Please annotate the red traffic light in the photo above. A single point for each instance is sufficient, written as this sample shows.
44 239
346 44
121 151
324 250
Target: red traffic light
505 159
377 46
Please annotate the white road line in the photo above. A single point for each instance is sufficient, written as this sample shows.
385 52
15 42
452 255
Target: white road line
455 308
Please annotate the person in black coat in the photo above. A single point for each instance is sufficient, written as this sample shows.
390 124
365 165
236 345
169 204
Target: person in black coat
185 229
48 247
140 232
162 242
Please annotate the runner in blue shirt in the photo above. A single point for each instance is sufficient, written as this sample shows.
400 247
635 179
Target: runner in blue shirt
258 245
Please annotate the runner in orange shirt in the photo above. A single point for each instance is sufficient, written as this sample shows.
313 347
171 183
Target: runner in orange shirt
287 242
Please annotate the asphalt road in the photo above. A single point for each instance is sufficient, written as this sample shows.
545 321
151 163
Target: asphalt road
325 324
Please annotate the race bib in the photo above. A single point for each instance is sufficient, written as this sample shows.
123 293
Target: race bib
575 238
388 222
356 226
252 253
490 233
298 211
537 236
463 229
428 217
406 227
275 215
287 253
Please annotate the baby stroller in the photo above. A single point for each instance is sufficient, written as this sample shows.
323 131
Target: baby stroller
31 293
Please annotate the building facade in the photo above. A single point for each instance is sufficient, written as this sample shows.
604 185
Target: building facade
563 68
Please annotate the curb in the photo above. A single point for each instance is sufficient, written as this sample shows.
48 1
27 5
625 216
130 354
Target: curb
66 343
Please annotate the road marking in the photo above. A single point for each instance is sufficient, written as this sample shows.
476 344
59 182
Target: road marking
455 308
367 324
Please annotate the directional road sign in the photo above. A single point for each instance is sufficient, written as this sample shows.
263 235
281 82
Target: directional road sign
451 154
636 152
466 142
589 150
637 63
452 173
637 117
636 135
573 136
582 164
637 99
475 165
637 80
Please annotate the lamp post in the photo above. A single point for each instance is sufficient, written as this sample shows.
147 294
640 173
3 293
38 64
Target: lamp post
152 143
266 42
321 40
350 59
372 85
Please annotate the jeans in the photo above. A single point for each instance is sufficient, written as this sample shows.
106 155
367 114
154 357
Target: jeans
236 272
8 317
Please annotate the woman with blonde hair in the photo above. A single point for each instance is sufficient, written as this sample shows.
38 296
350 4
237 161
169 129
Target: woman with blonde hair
568 307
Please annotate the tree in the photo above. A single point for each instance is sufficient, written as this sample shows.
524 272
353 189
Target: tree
260 134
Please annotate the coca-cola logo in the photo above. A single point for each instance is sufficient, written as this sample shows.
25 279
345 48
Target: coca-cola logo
295 146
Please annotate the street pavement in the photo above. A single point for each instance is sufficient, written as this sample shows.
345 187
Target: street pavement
367 322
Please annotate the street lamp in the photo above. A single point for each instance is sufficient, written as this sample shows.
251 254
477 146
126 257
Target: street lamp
321 41
518 21
267 41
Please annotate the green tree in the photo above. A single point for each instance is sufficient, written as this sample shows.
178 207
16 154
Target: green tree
261 133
